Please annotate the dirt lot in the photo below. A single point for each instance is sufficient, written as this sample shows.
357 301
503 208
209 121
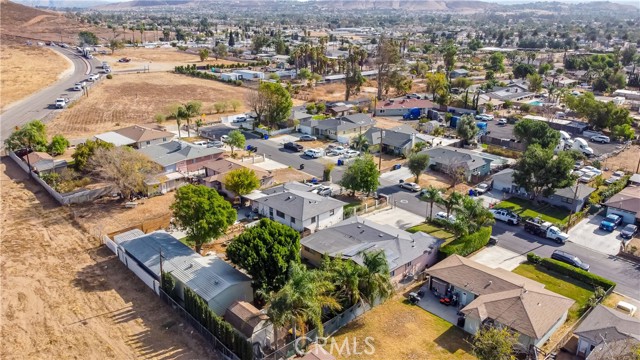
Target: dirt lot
626 160
158 59
21 75
135 99
66 297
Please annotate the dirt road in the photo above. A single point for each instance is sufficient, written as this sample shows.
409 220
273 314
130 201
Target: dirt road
63 296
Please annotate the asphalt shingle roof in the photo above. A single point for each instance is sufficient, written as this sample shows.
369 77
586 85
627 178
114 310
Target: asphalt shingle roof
611 324
175 151
450 156
300 204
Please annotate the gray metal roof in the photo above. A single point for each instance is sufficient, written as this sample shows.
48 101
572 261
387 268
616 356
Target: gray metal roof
175 151
207 276
611 324
291 185
355 235
300 204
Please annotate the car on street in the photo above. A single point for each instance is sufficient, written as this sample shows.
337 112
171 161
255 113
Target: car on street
241 118
611 222
293 147
588 177
77 87
614 177
251 148
506 215
410 186
336 150
93 77
350 154
443 216
629 231
484 117
224 138
502 121
215 144
601 139
313 153
307 138
61 103
570 259
481 188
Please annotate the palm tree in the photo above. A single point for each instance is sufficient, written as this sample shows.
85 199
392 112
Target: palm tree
376 284
181 114
346 276
143 38
360 142
472 212
192 108
432 195
454 199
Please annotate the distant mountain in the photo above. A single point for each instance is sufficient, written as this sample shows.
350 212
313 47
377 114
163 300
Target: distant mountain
138 4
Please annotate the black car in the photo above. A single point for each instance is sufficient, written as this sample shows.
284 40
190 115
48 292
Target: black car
293 147
251 148
629 231
570 259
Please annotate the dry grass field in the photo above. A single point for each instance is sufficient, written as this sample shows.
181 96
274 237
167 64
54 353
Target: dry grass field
65 296
26 69
135 99
158 59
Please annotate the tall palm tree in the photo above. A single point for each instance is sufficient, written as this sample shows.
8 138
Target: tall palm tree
346 276
454 199
473 213
376 284
361 143
143 38
431 195
181 114
192 108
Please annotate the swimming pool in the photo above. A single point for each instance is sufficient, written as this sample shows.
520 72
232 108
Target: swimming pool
536 103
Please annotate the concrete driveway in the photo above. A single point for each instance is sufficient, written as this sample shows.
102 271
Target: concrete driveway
588 234
498 257
397 217
396 175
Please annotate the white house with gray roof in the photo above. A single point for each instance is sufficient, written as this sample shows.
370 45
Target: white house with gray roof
446 158
213 279
407 254
341 129
399 140
606 334
300 209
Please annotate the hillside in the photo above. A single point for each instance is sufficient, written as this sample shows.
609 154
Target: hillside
19 22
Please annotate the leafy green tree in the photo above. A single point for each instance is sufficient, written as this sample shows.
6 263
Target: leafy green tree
600 115
525 108
272 103
115 44
450 202
449 52
304 74
203 212
492 343
354 79
536 132
539 172
522 70
236 140
535 82
467 128
267 252
204 54
258 42
432 195
58 145
33 135
461 83
87 38
388 57
84 151
496 62
362 175
628 54
624 131
417 164
220 50
473 214
241 181
191 109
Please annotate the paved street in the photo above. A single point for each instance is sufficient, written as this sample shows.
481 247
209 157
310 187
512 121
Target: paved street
37 106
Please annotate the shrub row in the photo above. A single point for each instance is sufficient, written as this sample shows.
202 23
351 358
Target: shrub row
237 65
191 71
497 150
467 244
533 258
576 273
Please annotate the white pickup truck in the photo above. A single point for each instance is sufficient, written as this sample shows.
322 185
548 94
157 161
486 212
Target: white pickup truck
61 103
505 215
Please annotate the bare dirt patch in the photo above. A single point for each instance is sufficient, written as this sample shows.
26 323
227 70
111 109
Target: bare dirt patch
135 99
26 69
626 160
65 296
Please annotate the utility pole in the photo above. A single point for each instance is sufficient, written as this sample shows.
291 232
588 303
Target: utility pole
575 196
380 151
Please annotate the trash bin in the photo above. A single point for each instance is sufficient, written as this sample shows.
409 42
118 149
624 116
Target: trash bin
397 166
314 180
340 162
266 137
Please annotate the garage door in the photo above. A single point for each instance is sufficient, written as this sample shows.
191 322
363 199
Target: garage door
627 216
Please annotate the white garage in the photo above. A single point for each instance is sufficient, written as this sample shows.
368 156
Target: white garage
626 203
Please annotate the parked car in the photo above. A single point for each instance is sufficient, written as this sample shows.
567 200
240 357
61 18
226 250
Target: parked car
251 148
614 177
410 186
588 177
241 118
502 121
313 153
506 215
323 190
293 147
124 60
215 144
61 103
77 87
592 169
93 77
351 153
611 222
443 216
200 143
337 150
601 139
578 164
413 96
224 138
570 259
629 231
307 138
482 188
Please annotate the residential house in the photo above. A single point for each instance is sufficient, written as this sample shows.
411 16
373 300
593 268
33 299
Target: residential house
250 322
634 180
393 107
626 203
42 163
458 73
177 159
341 129
250 74
407 254
136 136
607 334
499 297
214 280
627 94
216 170
300 209
447 158
397 141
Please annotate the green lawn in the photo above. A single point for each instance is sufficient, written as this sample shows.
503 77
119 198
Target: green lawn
433 231
526 208
561 284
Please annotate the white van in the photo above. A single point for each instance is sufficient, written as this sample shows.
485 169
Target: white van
200 143
626 308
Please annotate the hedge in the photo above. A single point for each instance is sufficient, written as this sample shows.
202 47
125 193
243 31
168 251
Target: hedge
467 244
576 273
533 258
192 71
